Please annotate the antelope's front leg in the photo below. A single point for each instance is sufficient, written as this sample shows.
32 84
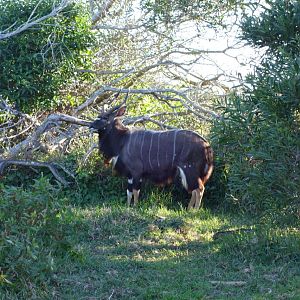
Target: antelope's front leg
136 186
129 191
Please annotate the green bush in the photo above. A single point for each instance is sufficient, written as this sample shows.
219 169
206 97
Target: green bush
257 139
276 82
257 158
36 63
34 232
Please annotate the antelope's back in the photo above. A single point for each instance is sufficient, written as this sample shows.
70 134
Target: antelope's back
158 151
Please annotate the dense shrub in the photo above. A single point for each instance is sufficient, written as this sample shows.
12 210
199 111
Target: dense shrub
34 232
257 156
276 82
257 140
36 63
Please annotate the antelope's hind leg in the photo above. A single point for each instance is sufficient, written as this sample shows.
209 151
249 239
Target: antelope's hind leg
193 200
199 194
136 194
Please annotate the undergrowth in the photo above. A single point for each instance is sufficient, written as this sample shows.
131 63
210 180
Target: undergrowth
83 242
37 229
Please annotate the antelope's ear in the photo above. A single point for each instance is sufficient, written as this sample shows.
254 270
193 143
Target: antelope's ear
121 111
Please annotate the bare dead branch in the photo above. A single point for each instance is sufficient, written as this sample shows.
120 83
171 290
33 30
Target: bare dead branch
105 72
31 141
107 4
186 102
32 20
144 119
229 283
93 147
150 118
6 108
51 166
125 28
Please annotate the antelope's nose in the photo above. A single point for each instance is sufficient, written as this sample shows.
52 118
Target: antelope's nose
92 125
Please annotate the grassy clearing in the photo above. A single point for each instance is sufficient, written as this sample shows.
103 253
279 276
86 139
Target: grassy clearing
158 252
161 251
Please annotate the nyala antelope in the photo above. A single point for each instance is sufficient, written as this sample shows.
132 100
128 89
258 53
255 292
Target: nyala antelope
154 155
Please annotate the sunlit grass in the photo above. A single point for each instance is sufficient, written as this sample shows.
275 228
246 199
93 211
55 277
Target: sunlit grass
159 250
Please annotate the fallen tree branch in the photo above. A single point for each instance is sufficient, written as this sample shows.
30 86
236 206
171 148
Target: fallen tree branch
231 283
31 141
93 147
219 234
51 166
150 118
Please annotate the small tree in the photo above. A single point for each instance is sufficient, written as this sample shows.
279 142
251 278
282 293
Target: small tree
276 83
36 63
257 140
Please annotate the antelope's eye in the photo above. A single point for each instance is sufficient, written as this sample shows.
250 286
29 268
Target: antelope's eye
103 118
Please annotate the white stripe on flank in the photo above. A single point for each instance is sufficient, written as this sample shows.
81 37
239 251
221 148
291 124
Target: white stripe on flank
141 151
166 148
150 151
174 147
128 145
134 141
157 157
183 178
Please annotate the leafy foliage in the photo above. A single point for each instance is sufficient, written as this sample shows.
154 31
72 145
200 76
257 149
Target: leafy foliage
277 27
176 11
35 228
257 137
258 157
38 62
277 80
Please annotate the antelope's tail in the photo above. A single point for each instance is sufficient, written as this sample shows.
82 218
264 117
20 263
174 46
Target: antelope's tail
209 165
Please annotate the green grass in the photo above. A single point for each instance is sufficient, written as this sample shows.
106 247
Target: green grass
157 253
161 251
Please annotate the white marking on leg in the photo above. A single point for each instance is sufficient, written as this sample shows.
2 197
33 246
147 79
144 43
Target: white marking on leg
183 178
113 161
198 199
129 197
192 201
130 180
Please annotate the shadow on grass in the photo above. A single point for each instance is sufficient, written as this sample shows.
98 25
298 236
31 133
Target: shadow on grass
154 252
